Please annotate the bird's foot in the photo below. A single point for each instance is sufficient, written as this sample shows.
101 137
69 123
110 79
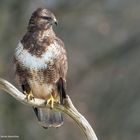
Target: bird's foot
51 101
29 96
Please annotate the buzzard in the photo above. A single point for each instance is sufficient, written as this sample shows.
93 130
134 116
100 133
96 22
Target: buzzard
41 66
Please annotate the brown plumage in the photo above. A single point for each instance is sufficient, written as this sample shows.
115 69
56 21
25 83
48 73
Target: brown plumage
41 65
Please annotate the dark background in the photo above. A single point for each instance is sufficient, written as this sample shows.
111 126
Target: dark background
102 38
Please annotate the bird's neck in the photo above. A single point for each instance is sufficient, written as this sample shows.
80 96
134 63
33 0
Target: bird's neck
42 34
46 33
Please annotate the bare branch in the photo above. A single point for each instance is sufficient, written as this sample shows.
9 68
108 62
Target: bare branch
68 108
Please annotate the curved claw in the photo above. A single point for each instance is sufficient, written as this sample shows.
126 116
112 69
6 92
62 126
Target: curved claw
29 96
51 101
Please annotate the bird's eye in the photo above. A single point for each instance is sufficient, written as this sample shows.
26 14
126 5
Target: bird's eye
46 18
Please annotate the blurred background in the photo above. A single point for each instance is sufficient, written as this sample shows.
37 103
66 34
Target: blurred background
102 39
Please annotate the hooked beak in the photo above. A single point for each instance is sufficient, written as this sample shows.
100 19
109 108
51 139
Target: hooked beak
55 22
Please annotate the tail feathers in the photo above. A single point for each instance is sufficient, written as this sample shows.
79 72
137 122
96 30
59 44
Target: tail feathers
48 118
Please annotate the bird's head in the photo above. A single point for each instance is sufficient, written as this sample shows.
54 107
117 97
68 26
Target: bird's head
42 19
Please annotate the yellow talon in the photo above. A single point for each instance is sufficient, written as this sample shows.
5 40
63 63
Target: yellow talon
51 101
29 96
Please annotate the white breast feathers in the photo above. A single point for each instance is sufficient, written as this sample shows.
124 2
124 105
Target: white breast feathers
31 61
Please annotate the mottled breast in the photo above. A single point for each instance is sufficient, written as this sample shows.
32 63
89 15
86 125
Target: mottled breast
30 61
41 72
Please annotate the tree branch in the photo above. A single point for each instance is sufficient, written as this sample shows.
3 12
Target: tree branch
68 108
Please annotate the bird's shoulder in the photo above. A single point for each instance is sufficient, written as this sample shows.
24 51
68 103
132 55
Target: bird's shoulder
59 41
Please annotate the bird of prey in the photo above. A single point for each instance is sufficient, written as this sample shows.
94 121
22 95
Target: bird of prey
41 66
